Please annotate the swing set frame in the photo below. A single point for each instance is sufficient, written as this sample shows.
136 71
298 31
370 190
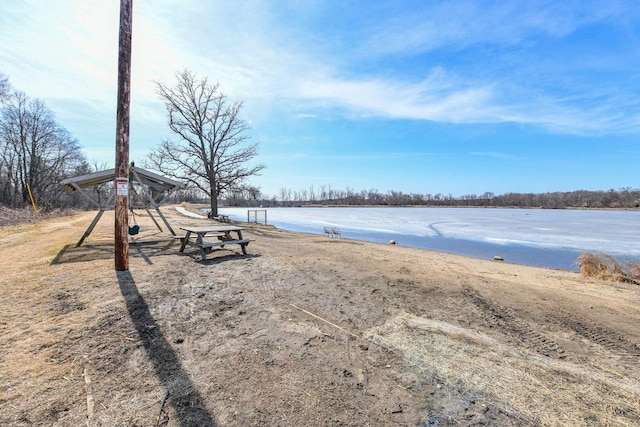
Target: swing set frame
147 191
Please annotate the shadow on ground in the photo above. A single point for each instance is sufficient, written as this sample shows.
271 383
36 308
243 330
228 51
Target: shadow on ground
223 255
146 249
181 394
105 250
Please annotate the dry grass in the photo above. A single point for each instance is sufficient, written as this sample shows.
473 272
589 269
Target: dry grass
9 216
517 382
605 267
267 339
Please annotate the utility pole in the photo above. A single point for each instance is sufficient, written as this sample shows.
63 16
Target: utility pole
121 242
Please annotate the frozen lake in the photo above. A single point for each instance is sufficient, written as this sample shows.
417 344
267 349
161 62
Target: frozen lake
541 237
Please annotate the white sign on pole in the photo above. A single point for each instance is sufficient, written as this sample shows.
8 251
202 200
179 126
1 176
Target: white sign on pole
122 186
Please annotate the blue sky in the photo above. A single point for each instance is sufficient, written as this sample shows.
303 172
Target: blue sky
453 97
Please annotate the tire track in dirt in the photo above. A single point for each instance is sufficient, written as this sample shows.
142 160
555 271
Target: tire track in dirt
508 322
604 337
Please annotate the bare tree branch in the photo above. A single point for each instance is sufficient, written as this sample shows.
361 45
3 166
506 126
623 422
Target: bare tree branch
212 147
5 88
35 153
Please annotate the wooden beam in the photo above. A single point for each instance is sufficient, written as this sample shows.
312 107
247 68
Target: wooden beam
165 221
86 195
121 240
90 228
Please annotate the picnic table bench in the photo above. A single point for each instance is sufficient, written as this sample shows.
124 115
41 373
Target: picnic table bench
219 217
221 232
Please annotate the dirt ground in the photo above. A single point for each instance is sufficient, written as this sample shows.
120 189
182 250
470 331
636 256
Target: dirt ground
305 330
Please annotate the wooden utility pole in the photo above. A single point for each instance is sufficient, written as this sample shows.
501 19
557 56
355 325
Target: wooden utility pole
122 138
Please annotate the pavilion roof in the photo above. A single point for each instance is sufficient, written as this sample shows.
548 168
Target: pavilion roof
148 178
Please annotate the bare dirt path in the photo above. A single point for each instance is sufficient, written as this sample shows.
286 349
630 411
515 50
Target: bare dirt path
304 331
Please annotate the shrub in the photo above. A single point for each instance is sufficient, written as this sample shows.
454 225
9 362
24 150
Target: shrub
606 267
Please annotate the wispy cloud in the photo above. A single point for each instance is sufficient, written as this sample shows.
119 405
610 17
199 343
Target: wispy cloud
354 157
400 100
278 73
496 155
455 25
463 103
274 56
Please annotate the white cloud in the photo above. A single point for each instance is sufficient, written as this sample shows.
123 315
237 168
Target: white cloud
454 25
496 155
68 56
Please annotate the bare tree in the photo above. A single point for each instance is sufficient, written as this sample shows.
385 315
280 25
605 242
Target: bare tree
5 88
285 195
312 194
212 150
35 153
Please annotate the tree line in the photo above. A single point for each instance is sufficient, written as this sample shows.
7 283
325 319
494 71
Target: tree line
623 198
36 152
211 152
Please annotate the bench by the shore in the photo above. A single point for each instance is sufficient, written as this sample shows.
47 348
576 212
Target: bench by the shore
332 232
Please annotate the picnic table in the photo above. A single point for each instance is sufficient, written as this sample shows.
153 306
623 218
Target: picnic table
221 232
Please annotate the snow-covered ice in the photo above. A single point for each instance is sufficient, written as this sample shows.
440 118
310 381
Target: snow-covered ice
551 238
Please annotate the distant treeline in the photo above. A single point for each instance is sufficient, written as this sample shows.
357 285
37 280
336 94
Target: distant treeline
36 152
623 198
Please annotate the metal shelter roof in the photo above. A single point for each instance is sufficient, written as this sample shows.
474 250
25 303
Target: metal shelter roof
149 179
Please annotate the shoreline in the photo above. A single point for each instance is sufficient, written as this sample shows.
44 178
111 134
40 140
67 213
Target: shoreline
541 239
320 330
317 205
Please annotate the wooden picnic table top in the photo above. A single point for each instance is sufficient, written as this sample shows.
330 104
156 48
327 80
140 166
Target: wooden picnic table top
211 228
223 232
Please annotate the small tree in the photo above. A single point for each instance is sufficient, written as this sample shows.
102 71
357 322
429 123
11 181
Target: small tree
212 147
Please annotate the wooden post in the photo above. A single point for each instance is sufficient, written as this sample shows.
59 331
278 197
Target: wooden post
122 138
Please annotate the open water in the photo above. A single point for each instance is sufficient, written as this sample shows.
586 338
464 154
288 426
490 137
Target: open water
539 237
